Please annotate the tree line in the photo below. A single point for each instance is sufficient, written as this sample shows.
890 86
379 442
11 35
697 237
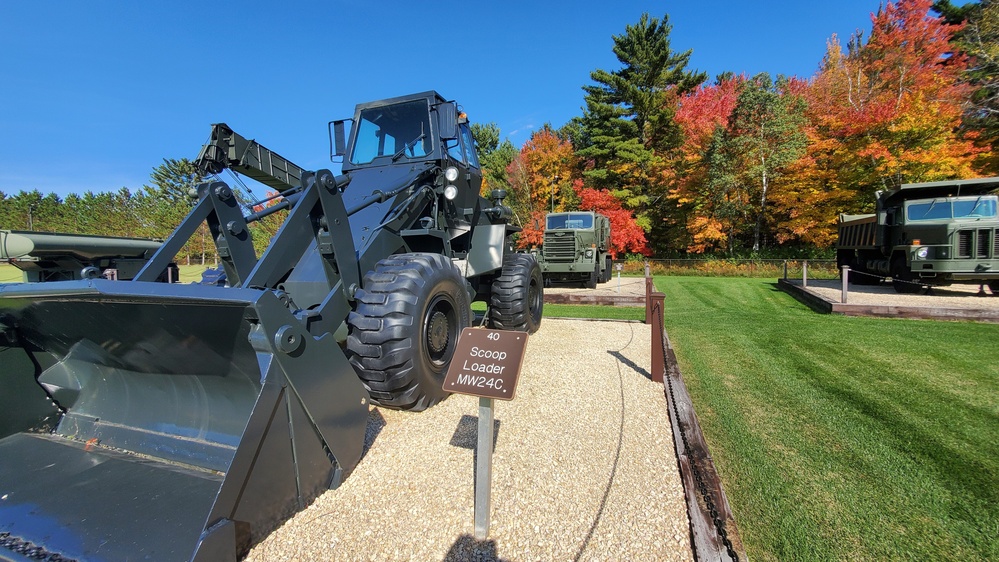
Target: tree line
738 165
741 165
151 212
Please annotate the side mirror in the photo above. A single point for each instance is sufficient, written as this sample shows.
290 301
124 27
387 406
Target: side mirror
447 120
338 138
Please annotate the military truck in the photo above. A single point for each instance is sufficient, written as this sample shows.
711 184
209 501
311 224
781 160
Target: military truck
576 249
52 256
921 234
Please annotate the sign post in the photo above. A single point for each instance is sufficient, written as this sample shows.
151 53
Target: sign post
486 364
484 469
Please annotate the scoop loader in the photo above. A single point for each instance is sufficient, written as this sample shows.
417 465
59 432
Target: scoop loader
164 421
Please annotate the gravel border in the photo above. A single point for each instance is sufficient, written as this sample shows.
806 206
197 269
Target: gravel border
953 296
583 468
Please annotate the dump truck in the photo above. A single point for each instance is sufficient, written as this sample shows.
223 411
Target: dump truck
53 256
168 421
925 234
576 249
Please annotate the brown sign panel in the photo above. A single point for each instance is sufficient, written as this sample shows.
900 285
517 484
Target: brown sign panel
486 363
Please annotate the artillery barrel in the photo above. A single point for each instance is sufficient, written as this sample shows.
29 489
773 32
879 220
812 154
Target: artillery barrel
19 244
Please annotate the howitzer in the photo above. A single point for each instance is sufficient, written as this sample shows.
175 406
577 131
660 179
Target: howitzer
49 256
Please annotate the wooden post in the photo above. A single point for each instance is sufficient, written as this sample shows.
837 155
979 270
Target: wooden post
658 345
804 274
785 270
649 289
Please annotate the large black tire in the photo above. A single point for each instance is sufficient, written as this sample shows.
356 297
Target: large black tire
858 275
591 281
901 277
403 334
608 265
517 296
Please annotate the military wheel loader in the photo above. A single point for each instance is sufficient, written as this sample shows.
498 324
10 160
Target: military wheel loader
167 421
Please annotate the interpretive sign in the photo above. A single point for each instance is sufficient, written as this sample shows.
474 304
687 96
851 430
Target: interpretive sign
486 363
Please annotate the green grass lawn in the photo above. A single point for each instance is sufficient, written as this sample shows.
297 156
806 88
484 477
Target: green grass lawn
842 438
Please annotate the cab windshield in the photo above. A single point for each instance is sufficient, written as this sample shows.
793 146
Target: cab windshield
400 131
945 209
570 220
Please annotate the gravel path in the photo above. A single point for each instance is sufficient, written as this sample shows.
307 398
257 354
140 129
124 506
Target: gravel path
583 468
954 296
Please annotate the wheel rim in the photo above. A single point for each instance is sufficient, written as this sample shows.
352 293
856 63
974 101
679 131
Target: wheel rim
534 298
440 330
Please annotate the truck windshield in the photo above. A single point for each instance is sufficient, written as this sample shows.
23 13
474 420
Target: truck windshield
944 209
401 130
570 220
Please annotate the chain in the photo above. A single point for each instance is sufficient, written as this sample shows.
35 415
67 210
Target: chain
854 272
28 550
701 486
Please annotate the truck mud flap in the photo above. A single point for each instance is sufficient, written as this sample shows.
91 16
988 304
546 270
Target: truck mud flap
164 422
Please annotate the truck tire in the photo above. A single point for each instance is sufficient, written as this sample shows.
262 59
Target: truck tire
591 281
517 295
858 275
608 266
403 334
901 277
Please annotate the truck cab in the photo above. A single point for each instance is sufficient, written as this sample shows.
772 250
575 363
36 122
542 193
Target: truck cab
933 233
576 248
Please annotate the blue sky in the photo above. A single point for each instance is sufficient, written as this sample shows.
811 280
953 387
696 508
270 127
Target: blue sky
93 95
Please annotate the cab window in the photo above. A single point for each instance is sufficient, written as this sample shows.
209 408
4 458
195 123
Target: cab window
471 158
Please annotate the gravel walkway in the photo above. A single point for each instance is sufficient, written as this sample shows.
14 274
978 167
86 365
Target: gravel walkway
583 468
954 296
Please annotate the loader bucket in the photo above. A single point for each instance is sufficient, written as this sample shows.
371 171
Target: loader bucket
146 421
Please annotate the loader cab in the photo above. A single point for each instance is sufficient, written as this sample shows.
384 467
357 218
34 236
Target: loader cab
414 133
392 133
407 130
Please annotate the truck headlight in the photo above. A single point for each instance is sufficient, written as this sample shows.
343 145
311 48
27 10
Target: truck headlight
922 253
589 253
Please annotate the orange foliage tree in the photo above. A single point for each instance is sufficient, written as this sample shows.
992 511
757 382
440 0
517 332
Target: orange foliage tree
702 192
895 103
884 113
541 178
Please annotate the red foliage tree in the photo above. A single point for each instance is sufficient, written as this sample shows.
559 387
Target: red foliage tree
626 235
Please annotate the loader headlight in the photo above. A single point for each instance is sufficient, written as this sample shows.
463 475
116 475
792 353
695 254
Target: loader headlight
450 192
451 173
922 253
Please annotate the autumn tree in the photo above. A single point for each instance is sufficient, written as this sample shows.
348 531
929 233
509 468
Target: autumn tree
895 102
707 206
626 235
765 131
541 181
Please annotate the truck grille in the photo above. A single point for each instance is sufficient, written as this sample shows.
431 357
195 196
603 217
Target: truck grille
559 248
980 243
